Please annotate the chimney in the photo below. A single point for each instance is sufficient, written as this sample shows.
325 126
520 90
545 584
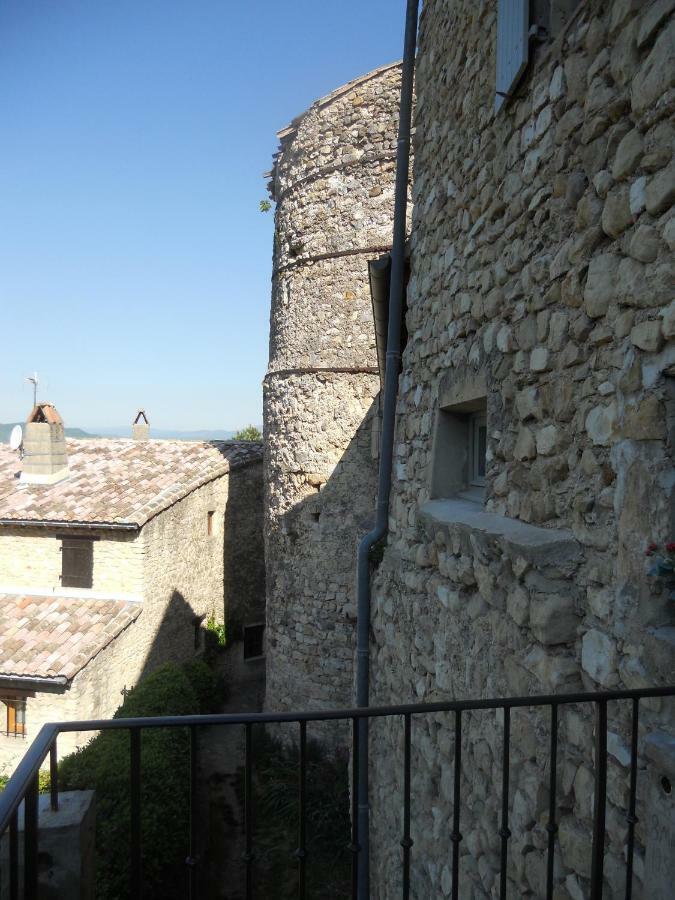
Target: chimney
140 428
45 459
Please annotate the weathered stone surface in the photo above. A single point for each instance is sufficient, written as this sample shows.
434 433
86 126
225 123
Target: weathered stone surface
599 657
601 422
660 191
525 447
646 421
552 619
628 155
644 244
616 214
647 336
600 284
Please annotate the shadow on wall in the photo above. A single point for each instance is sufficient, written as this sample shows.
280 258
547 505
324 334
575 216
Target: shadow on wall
311 575
177 637
243 551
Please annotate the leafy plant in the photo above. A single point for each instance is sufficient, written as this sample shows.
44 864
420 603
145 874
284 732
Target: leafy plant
265 206
276 812
103 765
218 629
249 433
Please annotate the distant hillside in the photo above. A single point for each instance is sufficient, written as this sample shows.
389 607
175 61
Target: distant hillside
6 430
170 434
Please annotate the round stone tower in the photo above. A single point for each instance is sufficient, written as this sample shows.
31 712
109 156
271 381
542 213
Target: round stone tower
333 183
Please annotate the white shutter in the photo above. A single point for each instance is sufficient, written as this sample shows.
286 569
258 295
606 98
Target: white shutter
513 21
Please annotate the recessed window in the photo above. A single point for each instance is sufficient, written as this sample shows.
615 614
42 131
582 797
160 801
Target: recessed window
209 521
77 562
460 448
15 721
254 641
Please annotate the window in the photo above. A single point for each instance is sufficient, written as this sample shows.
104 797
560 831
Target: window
254 641
77 562
460 447
16 717
209 521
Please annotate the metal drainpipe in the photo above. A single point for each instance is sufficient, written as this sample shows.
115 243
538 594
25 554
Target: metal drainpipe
387 441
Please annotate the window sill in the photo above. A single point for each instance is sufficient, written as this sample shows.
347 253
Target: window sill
539 546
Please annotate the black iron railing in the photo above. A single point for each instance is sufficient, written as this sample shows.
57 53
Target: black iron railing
23 786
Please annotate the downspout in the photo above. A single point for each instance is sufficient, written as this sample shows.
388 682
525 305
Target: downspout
387 439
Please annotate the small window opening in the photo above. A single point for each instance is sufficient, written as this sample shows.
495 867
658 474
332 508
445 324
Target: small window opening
254 641
77 562
15 723
460 449
209 521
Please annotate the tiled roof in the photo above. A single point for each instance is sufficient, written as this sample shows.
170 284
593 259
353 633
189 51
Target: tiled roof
52 637
117 481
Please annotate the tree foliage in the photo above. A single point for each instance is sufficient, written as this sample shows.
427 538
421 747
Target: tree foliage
250 433
103 765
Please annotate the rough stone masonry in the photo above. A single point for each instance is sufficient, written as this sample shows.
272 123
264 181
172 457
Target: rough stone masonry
333 182
542 269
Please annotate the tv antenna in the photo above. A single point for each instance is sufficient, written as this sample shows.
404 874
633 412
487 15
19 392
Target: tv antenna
34 380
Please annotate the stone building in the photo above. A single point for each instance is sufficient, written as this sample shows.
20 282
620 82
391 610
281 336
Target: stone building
113 555
533 461
333 182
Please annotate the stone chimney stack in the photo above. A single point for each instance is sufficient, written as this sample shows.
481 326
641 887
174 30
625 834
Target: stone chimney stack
140 429
45 458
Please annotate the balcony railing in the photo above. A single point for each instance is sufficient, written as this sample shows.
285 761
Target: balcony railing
23 786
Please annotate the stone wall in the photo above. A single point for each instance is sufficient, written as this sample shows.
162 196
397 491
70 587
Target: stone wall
333 183
540 259
184 579
30 560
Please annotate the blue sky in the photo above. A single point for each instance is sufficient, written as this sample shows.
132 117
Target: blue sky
134 262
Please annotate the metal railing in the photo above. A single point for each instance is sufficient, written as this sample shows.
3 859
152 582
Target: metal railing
23 786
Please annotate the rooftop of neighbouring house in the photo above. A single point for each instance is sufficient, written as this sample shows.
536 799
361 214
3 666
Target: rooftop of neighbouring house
117 481
55 637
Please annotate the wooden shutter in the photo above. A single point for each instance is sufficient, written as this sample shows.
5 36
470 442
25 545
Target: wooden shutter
77 563
513 21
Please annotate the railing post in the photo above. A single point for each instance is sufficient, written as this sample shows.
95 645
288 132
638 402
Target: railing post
631 818
191 861
552 827
598 858
135 830
504 831
248 803
456 835
301 852
406 842
30 837
14 856
53 777
354 846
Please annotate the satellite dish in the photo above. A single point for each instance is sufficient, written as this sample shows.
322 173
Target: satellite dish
16 437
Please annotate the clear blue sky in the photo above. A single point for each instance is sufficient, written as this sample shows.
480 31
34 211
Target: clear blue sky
134 263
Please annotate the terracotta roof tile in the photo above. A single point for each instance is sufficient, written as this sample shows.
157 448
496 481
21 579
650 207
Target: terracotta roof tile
56 639
119 481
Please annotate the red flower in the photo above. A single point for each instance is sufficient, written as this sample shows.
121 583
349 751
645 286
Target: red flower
650 549
671 547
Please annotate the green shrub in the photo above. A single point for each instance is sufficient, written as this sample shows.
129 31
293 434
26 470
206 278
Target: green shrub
275 806
103 765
